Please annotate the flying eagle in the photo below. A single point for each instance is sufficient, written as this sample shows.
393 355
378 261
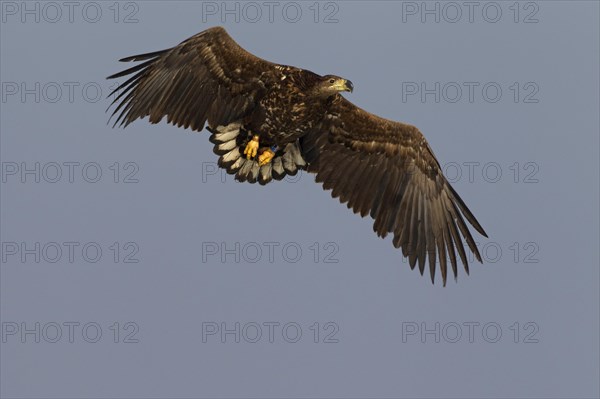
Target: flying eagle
268 120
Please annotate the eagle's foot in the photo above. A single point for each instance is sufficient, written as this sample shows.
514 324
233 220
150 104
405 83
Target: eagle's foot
251 148
265 157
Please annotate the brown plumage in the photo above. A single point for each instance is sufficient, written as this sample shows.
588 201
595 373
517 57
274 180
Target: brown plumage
378 167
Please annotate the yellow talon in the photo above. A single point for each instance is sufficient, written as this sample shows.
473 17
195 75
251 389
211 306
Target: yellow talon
265 157
251 148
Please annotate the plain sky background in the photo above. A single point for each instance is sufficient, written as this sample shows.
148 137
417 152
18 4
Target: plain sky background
541 268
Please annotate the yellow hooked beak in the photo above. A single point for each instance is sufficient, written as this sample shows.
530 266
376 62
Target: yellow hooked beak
343 85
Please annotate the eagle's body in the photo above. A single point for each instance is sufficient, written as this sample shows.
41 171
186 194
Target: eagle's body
289 108
295 119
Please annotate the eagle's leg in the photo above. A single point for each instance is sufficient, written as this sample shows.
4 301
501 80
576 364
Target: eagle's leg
252 147
266 155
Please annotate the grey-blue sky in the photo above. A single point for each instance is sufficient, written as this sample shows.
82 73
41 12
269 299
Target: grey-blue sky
179 210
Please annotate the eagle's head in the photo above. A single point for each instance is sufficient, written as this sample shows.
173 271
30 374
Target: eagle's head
331 84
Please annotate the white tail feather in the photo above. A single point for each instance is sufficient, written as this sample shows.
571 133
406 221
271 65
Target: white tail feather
230 139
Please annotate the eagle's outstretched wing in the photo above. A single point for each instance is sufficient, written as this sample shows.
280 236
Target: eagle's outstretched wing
206 77
386 169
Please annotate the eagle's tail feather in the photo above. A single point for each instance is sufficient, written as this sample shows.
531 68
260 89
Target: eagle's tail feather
229 141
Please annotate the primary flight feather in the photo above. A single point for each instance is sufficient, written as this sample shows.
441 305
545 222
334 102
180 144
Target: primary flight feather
269 120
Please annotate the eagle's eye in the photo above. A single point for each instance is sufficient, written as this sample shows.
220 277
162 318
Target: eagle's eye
331 81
